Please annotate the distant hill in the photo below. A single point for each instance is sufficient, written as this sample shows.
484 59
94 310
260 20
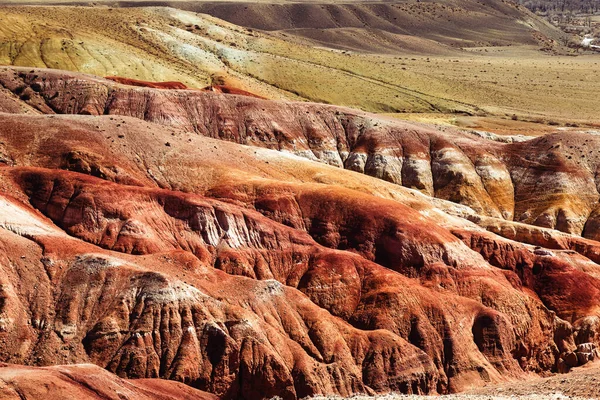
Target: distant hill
578 6
407 57
383 26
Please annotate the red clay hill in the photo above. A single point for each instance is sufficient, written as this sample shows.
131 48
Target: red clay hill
251 248
217 88
154 85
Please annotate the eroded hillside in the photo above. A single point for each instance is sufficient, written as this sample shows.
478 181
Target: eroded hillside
550 181
252 248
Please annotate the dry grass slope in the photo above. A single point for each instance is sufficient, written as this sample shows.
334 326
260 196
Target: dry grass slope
421 72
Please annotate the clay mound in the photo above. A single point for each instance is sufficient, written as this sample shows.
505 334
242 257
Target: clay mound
176 86
171 315
491 23
460 23
429 72
449 282
87 382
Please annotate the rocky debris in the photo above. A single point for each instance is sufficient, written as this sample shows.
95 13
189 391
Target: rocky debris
579 384
498 396
542 252
584 353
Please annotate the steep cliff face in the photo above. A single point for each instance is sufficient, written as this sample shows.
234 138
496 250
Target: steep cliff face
247 271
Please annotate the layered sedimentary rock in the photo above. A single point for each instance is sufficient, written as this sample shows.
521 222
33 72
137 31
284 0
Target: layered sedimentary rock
160 250
549 181
172 315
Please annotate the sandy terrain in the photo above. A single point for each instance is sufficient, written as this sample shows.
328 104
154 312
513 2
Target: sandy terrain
500 125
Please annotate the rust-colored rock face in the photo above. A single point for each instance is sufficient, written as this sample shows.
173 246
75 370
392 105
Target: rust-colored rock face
228 243
551 181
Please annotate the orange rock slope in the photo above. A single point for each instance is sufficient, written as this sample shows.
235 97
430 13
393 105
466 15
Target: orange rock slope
229 243
87 381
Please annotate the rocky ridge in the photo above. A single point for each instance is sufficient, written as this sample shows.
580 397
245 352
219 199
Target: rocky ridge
550 181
